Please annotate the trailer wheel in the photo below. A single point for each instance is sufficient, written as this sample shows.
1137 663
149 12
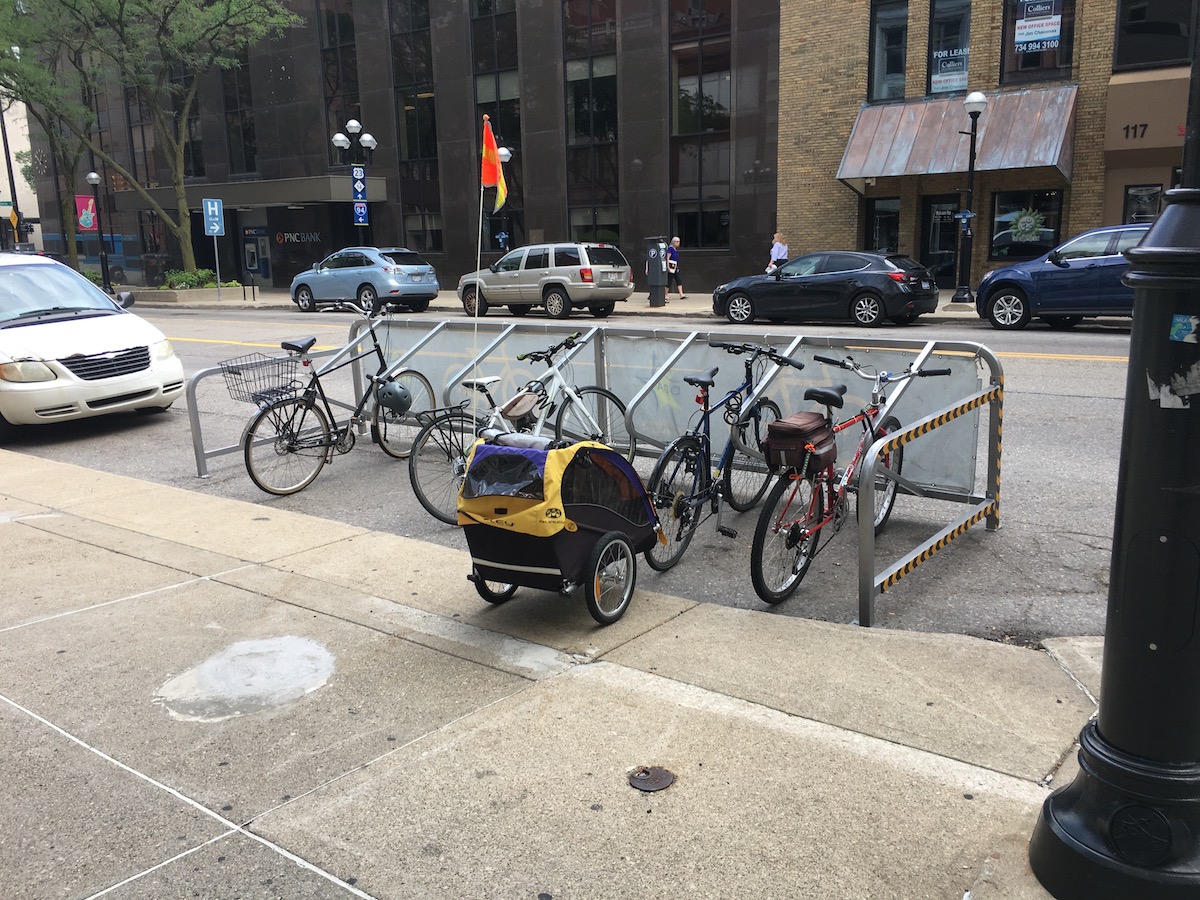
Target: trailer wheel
492 591
611 575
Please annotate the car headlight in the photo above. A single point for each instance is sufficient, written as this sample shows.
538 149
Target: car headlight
162 351
24 371
720 288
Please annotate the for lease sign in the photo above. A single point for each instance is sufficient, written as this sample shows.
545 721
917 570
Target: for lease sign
1039 26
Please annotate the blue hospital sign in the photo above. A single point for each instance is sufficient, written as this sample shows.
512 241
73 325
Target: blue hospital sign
360 214
214 218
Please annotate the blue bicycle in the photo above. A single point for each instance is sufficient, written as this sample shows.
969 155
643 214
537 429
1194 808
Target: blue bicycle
684 486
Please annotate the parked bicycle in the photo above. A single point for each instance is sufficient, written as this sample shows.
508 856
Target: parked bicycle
296 431
438 461
812 496
684 487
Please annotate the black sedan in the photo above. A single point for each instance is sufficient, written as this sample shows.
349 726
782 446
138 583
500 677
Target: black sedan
865 288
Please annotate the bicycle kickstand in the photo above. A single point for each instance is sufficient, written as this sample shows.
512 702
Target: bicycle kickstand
724 530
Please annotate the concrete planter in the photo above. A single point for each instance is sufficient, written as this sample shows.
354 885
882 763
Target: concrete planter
195 295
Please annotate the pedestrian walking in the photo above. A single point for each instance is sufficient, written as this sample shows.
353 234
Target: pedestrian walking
779 252
673 275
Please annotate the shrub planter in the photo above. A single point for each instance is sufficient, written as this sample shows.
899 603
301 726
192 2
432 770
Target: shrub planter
193 295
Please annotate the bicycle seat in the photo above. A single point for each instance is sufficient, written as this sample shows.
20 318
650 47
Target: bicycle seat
827 396
299 346
705 379
480 384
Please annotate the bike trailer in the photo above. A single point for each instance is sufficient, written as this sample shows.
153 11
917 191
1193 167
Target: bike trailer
555 517
803 441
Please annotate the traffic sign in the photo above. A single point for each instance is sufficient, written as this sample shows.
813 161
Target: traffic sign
358 182
214 218
360 213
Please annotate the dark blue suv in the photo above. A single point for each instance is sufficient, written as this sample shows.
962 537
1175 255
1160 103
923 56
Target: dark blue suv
1079 278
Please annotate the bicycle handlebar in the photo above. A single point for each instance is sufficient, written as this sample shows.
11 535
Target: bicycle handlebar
883 377
547 355
757 350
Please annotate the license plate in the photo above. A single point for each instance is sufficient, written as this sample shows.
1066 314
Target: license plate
924 285
612 276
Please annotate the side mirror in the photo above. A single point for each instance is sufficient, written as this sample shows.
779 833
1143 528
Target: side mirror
125 299
492 268
1056 258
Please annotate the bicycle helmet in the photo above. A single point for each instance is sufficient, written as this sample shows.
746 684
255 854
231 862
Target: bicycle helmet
394 396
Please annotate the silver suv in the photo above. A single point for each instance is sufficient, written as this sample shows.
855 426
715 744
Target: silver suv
557 276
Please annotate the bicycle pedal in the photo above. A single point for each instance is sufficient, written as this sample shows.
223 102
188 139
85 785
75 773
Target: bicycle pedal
727 531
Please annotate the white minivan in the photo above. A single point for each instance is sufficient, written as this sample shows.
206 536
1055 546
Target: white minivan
69 351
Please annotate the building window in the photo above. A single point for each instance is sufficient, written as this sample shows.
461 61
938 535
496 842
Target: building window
239 117
1025 224
949 45
416 120
590 27
339 67
1039 39
701 110
141 138
1142 203
1153 33
889 41
591 122
498 96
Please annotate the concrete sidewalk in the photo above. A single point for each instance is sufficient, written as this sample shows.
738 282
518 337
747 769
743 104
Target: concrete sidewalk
693 306
208 698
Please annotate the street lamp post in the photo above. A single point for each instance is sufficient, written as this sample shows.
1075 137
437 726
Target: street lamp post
94 180
975 103
363 145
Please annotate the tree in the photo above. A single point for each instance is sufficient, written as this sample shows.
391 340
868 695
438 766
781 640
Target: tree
57 54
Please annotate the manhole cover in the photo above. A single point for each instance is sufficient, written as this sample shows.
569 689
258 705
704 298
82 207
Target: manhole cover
650 779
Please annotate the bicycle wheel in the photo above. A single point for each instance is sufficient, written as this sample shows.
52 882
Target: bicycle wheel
598 416
286 445
611 575
394 432
885 487
678 488
437 464
747 477
783 542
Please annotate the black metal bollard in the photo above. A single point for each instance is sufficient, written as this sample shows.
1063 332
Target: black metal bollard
1128 826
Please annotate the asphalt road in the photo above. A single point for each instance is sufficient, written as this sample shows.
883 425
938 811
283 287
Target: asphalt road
1043 573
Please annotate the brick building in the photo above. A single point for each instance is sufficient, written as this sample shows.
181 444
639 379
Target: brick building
1083 125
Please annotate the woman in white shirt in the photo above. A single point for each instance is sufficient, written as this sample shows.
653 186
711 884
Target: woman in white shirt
779 250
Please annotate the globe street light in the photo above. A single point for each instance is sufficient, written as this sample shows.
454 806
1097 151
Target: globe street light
975 103
94 180
363 147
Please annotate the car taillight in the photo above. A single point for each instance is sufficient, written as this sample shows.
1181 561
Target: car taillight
392 270
896 276
585 275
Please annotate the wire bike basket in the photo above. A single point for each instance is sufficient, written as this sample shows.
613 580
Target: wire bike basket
258 378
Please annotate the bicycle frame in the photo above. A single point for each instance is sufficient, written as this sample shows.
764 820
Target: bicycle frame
344 357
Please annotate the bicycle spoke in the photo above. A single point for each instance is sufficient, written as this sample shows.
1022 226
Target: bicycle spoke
438 464
286 446
677 489
784 540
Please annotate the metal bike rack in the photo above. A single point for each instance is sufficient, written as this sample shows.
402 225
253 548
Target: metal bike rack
981 506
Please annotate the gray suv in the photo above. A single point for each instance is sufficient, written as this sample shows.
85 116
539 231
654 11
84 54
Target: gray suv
557 276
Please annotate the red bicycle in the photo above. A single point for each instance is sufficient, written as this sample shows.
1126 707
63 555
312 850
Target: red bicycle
811 495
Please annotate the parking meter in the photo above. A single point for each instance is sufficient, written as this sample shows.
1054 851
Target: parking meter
656 269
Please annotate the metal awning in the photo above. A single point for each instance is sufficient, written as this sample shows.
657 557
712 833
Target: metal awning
1026 129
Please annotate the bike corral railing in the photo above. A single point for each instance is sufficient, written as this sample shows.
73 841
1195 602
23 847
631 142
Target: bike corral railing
645 367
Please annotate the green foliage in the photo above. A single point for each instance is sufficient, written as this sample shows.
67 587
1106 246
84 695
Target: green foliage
179 280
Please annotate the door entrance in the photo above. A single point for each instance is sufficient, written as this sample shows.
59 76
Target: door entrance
939 237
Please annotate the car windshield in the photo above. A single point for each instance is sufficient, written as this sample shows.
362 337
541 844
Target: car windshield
606 256
907 263
404 258
32 290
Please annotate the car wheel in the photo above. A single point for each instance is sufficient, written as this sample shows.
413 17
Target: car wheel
603 310
366 298
740 309
304 299
419 306
1008 309
473 304
518 309
557 303
1063 321
866 309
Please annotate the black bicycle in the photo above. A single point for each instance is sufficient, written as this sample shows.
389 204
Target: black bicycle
296 432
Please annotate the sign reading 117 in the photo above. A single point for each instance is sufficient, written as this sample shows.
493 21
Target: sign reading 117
214 218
